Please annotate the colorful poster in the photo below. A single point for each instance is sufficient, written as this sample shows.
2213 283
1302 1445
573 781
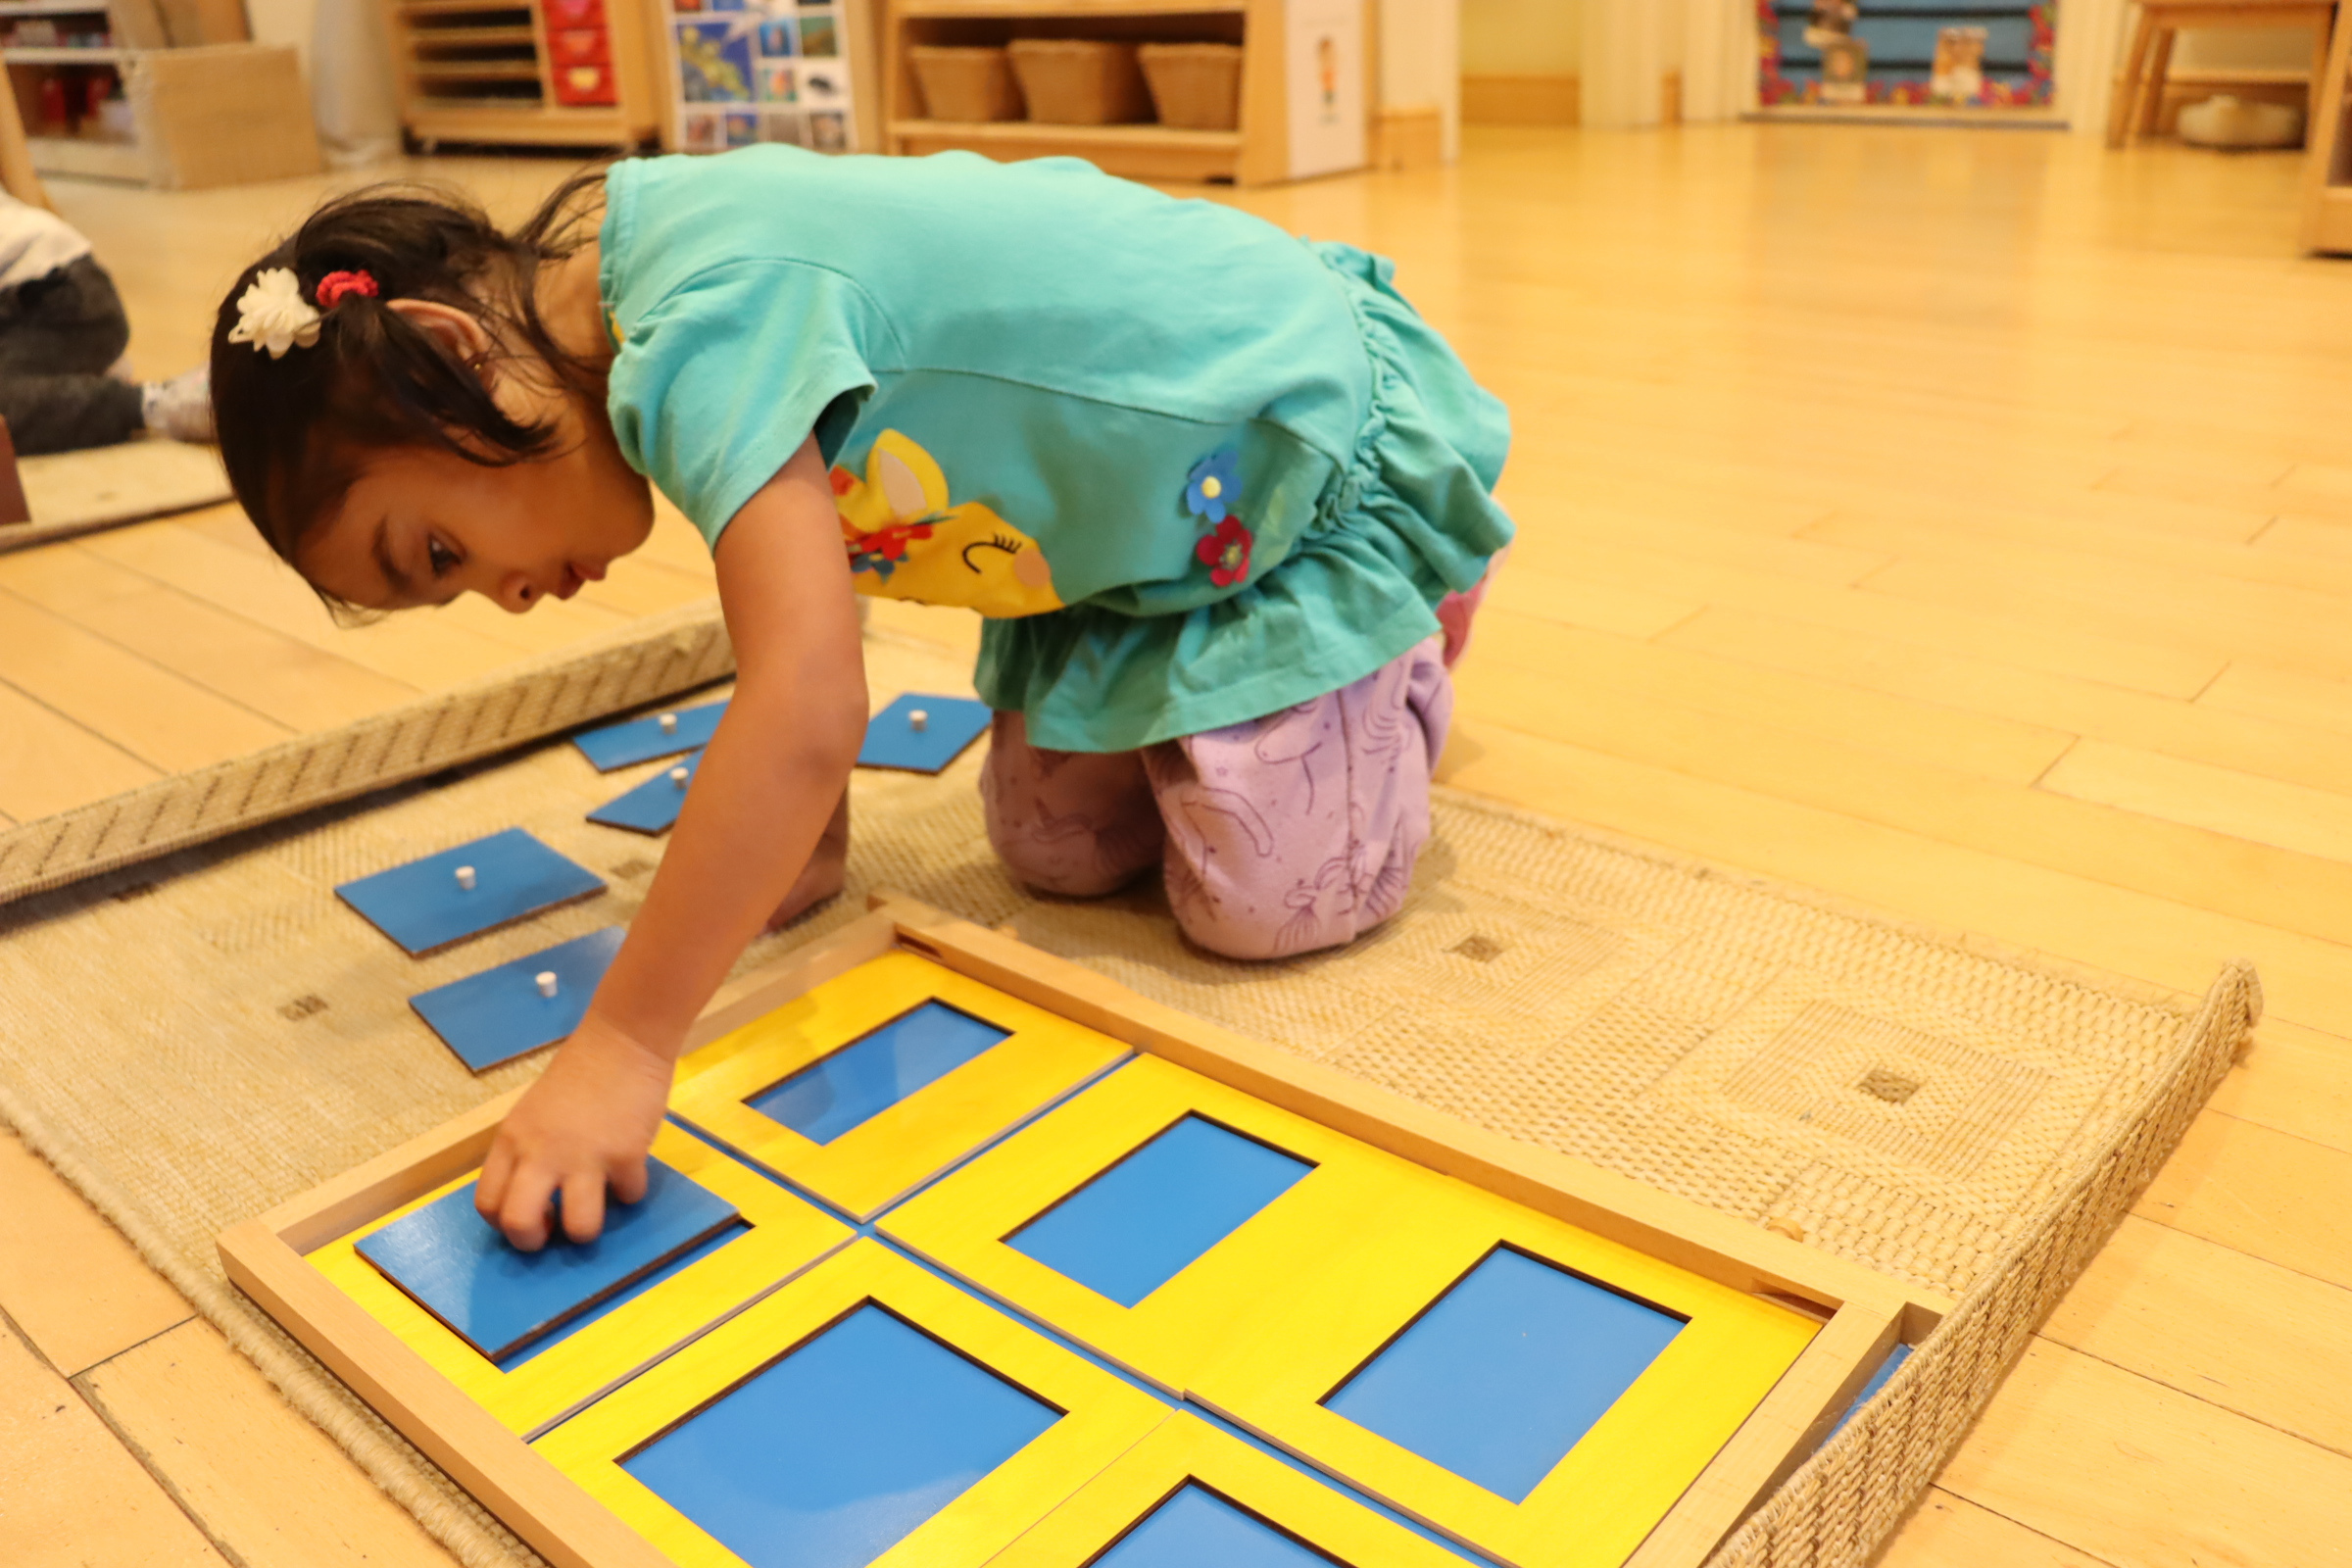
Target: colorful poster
751 70
1960 54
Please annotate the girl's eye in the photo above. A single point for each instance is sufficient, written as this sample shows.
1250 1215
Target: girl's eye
439 557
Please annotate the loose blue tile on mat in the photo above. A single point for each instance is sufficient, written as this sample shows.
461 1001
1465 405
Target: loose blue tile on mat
653 807
457 1267
829 1098
500 1014
1142 1222
1877 1379
1197 1529
949 725
428 903
641 739
1501 1376
836 1452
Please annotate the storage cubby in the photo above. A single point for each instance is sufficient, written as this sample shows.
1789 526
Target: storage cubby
551 72
1307 69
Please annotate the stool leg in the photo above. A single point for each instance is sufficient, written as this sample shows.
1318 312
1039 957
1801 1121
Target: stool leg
2160 66
2127 92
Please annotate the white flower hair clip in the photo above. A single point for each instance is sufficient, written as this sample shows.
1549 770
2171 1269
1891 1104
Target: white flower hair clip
274 317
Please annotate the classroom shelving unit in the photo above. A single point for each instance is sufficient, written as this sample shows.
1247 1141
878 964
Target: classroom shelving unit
67 74
1266 147
539 73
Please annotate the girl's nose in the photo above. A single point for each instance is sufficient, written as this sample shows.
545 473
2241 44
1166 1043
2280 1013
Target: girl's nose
516 593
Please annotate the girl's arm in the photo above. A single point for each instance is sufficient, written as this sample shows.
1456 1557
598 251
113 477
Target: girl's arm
766 788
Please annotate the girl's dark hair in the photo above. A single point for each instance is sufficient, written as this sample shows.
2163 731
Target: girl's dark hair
295 430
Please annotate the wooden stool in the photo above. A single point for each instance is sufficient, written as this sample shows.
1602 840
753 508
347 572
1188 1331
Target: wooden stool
2139 97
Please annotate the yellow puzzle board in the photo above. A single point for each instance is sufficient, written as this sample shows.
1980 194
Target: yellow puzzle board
1172 1334
1618 1481
1103 1416
873 1164
1257 1330
1186 1450
787 1234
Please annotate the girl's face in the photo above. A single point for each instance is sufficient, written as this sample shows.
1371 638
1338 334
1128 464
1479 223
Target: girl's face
421 526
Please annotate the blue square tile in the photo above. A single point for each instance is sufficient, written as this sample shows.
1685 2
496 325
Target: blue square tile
641 739
457 1267
1140 1223
653 807
499 1014
1503 1374
950 724
424 906
829 1098
838 1450
1198 1529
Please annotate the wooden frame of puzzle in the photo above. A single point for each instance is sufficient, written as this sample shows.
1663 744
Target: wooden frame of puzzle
476 1423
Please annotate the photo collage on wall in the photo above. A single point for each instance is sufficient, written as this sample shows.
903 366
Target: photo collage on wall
1907 54
751 70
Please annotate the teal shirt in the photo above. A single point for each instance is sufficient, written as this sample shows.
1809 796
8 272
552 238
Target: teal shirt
1025 378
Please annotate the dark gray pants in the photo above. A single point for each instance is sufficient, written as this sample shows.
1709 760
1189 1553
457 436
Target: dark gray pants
57 334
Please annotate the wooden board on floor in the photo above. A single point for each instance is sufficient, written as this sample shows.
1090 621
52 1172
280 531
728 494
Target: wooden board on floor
79 492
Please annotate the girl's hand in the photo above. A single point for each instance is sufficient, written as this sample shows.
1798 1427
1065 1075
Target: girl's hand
584 1126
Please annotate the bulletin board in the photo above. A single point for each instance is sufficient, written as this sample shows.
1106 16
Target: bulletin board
760 70
1907 54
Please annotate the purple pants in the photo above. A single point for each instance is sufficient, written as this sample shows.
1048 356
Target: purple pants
1282 835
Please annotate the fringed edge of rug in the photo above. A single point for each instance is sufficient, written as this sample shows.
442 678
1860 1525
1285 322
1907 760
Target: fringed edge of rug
448 1514
650 660
1951 939
1844 1503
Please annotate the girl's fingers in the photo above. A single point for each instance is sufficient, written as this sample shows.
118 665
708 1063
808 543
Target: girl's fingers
490 1188
583 1205
523 1215
628 1180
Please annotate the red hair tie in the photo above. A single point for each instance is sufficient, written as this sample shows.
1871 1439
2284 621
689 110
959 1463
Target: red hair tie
334 286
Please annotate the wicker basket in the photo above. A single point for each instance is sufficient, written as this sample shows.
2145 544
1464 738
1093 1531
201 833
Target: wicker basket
1081 81
966 85
1195 86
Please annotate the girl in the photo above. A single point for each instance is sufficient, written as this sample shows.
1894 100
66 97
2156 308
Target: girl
1221 495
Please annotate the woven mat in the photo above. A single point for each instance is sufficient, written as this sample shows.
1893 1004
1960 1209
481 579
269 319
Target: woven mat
80 492
194 1039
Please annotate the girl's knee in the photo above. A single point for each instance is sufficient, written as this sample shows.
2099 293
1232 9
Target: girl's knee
1071 823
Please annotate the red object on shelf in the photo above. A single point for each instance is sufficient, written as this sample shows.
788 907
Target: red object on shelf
579 46
585 86
53 101
574 13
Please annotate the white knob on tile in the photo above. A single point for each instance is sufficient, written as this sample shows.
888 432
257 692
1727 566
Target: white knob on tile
669 724
917 720
547 982
466 877
679 776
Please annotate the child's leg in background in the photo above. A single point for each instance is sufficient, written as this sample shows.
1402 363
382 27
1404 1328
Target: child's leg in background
1300 830
57 334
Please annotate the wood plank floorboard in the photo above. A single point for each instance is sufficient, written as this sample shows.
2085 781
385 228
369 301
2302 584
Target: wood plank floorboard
1957 523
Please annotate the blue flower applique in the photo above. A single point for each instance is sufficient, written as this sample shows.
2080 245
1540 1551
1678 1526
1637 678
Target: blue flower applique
1214 486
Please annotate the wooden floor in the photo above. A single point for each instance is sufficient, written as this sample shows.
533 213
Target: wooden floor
1959 521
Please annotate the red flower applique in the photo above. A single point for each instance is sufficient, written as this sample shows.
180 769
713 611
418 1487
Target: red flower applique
1227 553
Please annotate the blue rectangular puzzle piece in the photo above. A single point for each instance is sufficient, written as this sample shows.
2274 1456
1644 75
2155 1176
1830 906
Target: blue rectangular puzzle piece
653 807
835 1453
426 905
457 1267
947 725
829 1098
1195 1527
500 1014
641 739
1143 1221
1500 1376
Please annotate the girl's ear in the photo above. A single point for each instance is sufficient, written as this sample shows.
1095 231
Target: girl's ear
460 333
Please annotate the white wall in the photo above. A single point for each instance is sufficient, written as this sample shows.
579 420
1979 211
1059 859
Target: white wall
1522 37
1421 59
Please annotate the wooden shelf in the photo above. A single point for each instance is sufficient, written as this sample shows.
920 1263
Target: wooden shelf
477 70
469 38
87 157
1139 152
459 8
62 55
50 8
1067 8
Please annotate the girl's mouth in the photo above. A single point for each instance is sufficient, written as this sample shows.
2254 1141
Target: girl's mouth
571 583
